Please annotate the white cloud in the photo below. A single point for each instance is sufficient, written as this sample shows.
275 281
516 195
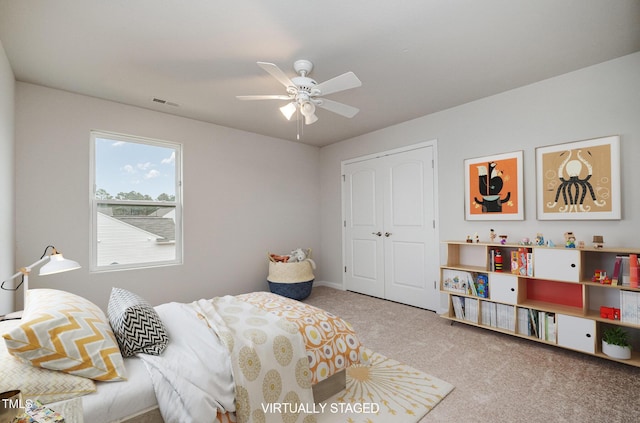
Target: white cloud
152 174
143 166
171 159
117 144
128 169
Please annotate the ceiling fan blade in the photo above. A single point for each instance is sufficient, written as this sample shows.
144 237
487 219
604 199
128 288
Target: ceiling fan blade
346 81
263 97
277 73
339 108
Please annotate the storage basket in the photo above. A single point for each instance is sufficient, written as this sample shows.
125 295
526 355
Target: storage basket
292 280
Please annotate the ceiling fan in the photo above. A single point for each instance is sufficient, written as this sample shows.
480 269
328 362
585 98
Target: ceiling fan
304 94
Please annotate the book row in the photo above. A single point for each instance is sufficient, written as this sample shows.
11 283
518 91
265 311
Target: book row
630 307
530 322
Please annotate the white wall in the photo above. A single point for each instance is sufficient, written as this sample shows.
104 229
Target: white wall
244 195
7 172
596 101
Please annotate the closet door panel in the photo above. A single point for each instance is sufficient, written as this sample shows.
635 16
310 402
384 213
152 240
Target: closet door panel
364 268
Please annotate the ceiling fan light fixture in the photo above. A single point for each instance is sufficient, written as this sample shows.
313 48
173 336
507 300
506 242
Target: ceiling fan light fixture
308 110
288 110
308 120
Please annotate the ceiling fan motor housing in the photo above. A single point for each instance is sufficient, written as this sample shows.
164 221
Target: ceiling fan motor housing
304 83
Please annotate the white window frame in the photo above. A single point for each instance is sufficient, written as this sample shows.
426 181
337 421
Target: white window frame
177 203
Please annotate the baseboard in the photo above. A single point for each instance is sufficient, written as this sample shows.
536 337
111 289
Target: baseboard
329 284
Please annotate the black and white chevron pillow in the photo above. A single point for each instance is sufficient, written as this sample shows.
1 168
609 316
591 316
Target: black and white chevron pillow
136 324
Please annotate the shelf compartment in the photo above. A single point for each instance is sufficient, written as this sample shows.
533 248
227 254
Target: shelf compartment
559 293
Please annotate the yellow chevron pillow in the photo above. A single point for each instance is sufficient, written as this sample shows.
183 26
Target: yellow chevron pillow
36 383
62 331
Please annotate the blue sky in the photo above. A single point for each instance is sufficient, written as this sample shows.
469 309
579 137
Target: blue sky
127 166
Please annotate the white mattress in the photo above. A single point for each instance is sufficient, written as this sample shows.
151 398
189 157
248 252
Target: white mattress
115 401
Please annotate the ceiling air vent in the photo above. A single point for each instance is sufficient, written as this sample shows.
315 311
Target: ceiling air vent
161 101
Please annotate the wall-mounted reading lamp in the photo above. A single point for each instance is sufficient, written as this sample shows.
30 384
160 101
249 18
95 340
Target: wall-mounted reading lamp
56 264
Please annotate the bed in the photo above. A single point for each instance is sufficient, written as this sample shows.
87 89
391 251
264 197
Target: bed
177 372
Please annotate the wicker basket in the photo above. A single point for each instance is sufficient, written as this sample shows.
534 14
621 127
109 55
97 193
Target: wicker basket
291 280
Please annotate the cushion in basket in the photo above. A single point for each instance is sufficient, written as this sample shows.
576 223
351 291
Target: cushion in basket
136 324
35 383
63 331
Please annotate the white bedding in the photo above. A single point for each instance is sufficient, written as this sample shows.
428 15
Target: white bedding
192 378
114 401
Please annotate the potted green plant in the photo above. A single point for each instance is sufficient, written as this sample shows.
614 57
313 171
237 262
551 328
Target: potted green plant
615 343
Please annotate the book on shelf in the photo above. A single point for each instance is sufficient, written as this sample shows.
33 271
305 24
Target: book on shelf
458 306
497 315
471 310
529 264
505 317
615 277
456 281
523 322
533 322
522 262
633 270
542 333
514 262
482 286
550 327
630 307
624 271
487 313
471 287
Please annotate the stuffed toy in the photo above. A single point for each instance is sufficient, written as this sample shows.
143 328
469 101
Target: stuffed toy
300 255
277 258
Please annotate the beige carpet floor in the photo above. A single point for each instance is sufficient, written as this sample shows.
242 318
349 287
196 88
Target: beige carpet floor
497 377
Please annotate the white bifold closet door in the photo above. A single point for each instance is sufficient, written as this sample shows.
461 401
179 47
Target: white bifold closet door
390 237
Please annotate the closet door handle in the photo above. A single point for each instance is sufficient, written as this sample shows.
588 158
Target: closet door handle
387 234
376 233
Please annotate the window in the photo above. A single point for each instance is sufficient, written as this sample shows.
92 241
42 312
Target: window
136 213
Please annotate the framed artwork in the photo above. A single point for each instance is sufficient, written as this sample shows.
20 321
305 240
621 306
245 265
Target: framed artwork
494 187
579 180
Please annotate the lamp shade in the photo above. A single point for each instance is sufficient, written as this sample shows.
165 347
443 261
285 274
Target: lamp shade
288 110
58 264
308 110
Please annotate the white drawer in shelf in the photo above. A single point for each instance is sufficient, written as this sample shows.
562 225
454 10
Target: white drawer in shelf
577 333
503 288
556 264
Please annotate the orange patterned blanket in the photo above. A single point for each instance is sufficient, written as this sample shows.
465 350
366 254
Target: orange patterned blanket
331 342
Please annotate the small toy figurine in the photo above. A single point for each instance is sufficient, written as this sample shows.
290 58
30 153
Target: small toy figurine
526 241
539 239
570 240
601 276
492 235
469 239
550 244
598 241
503 239
477 237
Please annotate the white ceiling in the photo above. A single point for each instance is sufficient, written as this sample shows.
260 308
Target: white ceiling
414 57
